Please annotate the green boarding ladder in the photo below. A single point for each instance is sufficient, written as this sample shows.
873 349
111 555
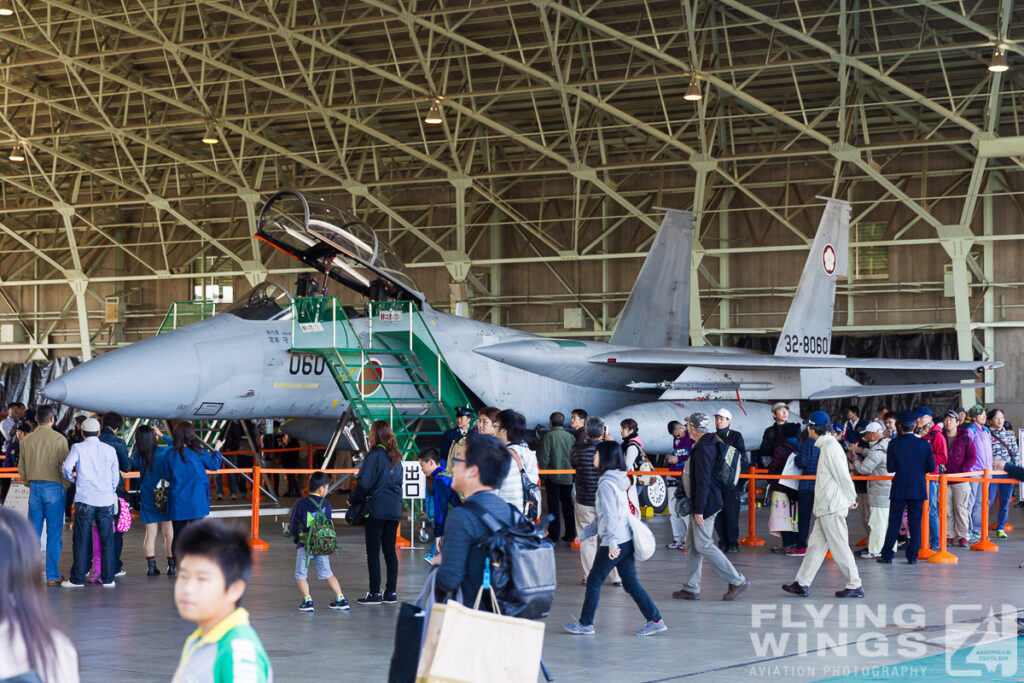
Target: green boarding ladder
420 403
182 313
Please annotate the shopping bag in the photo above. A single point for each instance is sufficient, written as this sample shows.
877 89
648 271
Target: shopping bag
410 630
467 645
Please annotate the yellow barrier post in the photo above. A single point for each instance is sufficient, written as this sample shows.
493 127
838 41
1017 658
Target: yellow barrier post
255 542
752 538
943 556
985 545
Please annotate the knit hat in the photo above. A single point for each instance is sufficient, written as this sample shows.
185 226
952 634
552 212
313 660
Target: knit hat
701 422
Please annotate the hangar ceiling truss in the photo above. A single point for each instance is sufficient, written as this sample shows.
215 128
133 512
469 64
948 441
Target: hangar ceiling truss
564 125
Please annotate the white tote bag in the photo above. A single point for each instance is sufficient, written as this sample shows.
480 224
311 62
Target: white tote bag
644 543
791 470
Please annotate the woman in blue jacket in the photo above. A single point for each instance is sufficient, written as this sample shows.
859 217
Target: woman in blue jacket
150 459
185 469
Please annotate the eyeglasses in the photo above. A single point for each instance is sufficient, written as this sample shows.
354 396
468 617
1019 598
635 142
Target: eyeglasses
455 460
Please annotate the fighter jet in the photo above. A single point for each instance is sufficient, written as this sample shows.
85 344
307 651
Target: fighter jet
243 363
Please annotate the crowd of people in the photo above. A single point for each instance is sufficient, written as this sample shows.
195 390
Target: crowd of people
485 467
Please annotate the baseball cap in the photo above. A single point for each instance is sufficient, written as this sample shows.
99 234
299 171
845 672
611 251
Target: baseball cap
873 428
907 417
838 428
819 418
91 425
924 410
976 410
724 412
780 404
701 422
952 414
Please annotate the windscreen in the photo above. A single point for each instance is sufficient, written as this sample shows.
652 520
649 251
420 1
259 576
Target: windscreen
265 301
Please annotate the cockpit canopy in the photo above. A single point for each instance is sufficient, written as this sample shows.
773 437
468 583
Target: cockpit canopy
333 241
266 301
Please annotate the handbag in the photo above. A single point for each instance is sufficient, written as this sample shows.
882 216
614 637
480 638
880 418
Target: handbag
357 513
531 492
644 543
160 495
411 631
123 522
464 644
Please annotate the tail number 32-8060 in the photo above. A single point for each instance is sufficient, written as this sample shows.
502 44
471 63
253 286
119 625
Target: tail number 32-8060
818 346
306 364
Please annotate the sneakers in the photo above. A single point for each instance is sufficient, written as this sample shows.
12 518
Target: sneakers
1001 534
70 584
390 598
306 606
676 545
429 558
964 543
578 629
797 552
120 574
220 496
734 591
882 559
371 599
683 594
851 592
797 589
782 549
55 582
110 585
868 555
650 628
617 584
337 604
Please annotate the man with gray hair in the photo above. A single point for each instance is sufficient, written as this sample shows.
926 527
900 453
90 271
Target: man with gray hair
594 431
705 504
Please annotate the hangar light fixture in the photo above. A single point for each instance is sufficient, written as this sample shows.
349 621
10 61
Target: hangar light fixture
210 136
17 153
6 8
998 64
693 93
434 115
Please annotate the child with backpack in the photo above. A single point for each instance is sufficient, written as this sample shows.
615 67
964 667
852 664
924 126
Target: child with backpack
440 497
315 539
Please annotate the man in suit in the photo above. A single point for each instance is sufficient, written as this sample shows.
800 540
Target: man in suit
910 460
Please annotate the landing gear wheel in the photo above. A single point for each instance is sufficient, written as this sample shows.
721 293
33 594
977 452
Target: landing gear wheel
654 494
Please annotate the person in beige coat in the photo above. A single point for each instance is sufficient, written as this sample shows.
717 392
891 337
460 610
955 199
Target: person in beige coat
834 497
873 465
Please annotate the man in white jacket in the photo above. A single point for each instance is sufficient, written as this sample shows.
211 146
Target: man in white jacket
834 497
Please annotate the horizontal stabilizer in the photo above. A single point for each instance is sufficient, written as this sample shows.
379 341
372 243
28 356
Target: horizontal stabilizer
891 389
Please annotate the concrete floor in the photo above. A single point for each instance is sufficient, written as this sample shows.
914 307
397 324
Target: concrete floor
134 633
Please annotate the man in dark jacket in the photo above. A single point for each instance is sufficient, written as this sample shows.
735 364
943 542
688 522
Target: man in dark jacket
728 523
479 470
776 434
910 460
554 454
807 460
705 504
594 431
111 423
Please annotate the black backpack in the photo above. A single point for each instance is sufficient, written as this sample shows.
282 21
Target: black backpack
728 466
522 563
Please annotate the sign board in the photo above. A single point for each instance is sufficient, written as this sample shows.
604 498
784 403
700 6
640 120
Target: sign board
414 482
17 498
311 327
390 316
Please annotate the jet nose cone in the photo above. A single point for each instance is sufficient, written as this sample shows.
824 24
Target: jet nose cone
56 391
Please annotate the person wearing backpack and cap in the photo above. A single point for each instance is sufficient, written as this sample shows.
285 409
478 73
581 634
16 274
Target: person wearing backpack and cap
834 496
705 504
311 525
910 460
728 523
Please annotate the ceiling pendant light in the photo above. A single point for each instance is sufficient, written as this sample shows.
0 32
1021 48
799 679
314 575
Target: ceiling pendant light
998 64
434 114
17 153
210 136
693 93
6 8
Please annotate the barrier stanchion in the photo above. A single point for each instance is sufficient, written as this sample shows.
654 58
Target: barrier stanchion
943 556
994 525
255 542
752 538
985 545
925 551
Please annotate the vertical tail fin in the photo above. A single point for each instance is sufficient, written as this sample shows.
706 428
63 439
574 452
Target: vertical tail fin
657 312
808 329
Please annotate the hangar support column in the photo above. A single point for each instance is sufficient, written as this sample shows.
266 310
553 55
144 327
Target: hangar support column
957 241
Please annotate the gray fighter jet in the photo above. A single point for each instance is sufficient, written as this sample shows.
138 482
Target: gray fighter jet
244 363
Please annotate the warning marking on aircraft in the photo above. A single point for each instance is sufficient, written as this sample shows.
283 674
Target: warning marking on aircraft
296 385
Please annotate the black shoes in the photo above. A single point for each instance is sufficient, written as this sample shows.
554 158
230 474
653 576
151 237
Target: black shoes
151 569
796 589
851 593
171 569
371 599
884 560
390 598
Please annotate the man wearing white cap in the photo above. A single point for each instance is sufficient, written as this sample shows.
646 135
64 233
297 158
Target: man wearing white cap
95 502
872 464
727 526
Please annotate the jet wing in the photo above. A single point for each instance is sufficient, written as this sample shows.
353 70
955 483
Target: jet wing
728 360
890 389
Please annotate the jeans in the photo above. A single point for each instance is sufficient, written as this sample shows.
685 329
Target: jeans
626 565
933 515
805 513
85 517
974 506
380 535
914 509
560 506
232 483
46 503
1004 491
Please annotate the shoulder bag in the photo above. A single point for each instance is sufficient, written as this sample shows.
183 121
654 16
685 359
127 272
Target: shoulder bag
357 513
531 492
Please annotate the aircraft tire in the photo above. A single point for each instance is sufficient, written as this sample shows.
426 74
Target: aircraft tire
654 494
